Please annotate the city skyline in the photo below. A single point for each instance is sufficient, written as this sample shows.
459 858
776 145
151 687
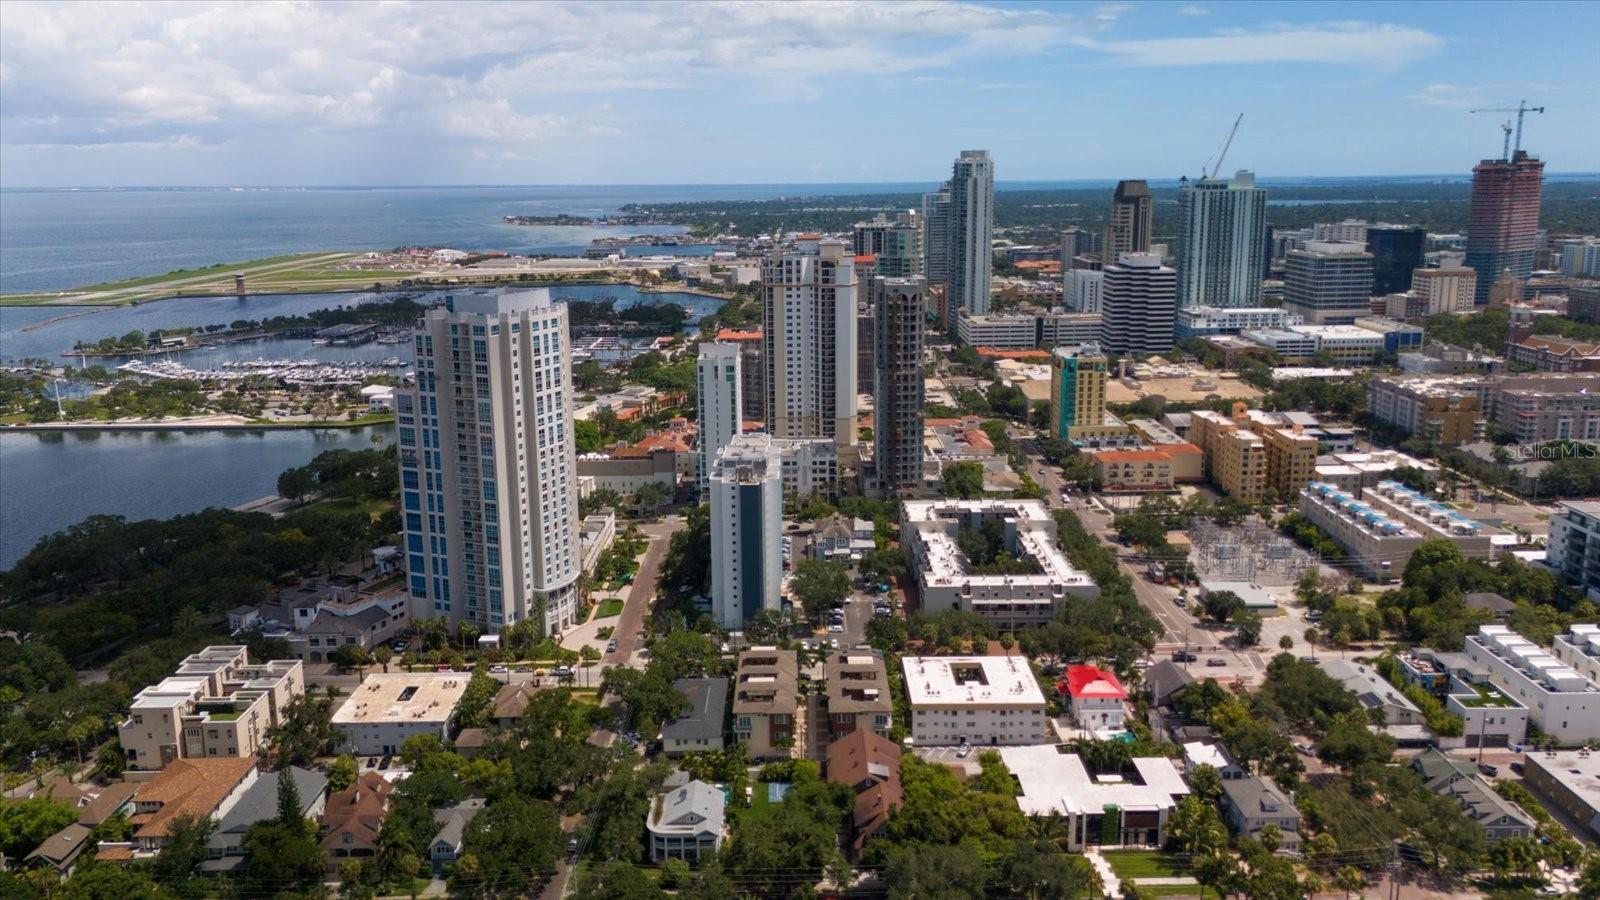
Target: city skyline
554 94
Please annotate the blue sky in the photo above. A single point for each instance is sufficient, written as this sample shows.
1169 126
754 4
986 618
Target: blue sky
553 93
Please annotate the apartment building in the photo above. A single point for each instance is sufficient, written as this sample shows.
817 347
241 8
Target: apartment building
1379 545
1561 701
1236 457
1569 779
969 269
858 698
766 702
1443 410
1077 390
976 700
1221 247
1021 330
1138 471
1291 455
203 789
1490 717
1430 518
745 490
1574 546
389 708
1446 290
720 396
898 384
217 704
1355 472
930 531
809 301
1546 353
1205 321
1186 462
1539 408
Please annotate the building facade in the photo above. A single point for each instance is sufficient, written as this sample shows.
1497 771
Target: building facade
1396 254
936 236
1442 410
1077 390
971 232
1128 228
1204 321
1562 701
1138 305
1328 282
898 398
896 244
1503 220
1235 456
809 340
765 702
390 708
217 704
1377 544
1574 546
1221 241
974 700
720 395
1081 289
746 496
487 464
1449 290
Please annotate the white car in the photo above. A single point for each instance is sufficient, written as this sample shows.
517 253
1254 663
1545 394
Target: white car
498 670
836 628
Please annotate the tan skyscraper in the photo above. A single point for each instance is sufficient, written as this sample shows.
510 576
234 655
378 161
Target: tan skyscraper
1129 228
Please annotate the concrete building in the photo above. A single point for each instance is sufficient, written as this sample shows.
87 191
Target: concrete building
809 295
1378 545
686 822
971 232
1077 390
700 729
390 707
721 404
1562 702
1574 546
1540 408
1443 359
1397 254
1203 321
489 493
1250 804
1570 780
1291 458
898 399
947 579
1444 411
217 704
859 697
1138 471
896 243
1448 290
1235 456
746 497
1503 220
1398 337
1348 230
1022 330
1347 344
976 700
1138 305
1580 258
1124 810
1081 289
1328 282
626 469
936 236
1290 345
1128 227
1490 717
1430 518
1353 472
1546 353
1221 241
766 703
752 368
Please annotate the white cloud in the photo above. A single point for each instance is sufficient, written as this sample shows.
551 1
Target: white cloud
1193 11
1111 11
1452 96
1364 44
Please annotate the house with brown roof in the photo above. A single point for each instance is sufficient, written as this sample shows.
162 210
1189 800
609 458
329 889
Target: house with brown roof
765 698
204 787
870 764
858 695
353 818
511 701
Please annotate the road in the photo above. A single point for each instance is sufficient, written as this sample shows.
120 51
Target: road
629 633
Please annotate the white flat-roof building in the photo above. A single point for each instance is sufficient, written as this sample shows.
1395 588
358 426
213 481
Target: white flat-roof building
947 579
389 708
1057 783
1562 701
1204 321
978 700
1354 472
1380 545
1571 780
1430 518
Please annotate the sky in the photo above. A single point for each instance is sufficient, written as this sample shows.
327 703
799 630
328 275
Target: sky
398 93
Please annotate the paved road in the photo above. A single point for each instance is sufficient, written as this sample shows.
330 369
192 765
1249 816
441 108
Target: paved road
630 625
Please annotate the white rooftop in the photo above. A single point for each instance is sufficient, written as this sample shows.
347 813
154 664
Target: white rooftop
403 697
1054 782
932 520
978 681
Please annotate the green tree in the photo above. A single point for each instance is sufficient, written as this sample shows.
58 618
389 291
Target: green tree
1350 744
24 824
111 882
282 856
1247 627
184 848
290 810
916 871
819 585
963 480
515 843
342 773
1220 606
1206 782
617 880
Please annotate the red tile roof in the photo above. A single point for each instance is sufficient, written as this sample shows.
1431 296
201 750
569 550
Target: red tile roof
865 258
997 353
728 334
1093 682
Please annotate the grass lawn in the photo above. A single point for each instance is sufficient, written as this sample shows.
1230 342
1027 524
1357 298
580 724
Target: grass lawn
609 608
760 806
583 613
1145 864
1177 890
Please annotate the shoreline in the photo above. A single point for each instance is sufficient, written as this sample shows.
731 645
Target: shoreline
195 423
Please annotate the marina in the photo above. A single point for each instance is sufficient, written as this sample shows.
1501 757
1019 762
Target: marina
291 371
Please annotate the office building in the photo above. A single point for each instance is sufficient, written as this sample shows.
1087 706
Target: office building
487 471
1328 282
1128 229
1077 390
1204 321
896 244
1503 220
720 384
746 497
1444 359
217 703
858 697
1129 810
1081 289
388 709
1448 290
1353 230
1574 546
809 340
974 700
766 698
1221 241
1444 411
1376 544
1078 243
971 232
931 532
1139 302
1396 254
898 400
1562 701
936 236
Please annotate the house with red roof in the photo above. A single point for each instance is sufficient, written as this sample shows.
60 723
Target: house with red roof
1097 698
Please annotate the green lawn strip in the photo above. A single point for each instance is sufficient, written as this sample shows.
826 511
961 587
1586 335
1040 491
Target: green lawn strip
608 608
1177 890
1146 864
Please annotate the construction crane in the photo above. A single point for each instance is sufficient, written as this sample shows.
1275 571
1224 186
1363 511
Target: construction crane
1224 154
1520 109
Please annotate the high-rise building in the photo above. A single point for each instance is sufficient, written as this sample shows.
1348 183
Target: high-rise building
1449 290
720 382
971 232
1128 230
1077 389
1138 306
1076 242
1396 253
895 243
1328 282
1081 289
897 400
936 235
1221 241
1503 221
746 497
1580 257
1351 230
489 495
809 340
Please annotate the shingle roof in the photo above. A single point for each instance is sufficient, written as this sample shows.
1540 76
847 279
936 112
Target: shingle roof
260 800
63 846
1166 678
512 700
697 798
453 821
1257 795
188 786
359 809
708 708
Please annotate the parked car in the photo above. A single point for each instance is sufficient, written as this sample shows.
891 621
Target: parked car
611 645
1517 768
498 670
835 628
1487 770
1216 662
1183 656
1181 600
1305 749
964 752
572 848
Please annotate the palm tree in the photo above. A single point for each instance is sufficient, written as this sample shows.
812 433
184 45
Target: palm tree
1349 879
1313 636
382 654
1286 643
